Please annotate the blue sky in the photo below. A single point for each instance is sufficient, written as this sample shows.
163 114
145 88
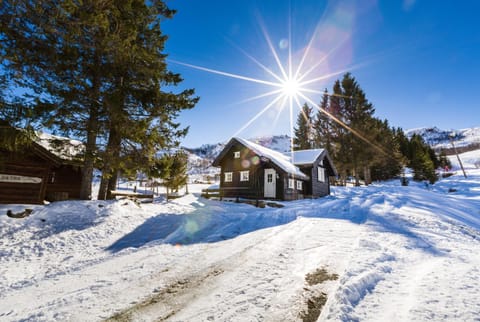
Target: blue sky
417 60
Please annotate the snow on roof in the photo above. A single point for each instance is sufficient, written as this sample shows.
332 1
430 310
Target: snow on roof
62 147
281 160
302 157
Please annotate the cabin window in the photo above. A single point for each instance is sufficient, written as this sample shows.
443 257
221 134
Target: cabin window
321 174
236 154
291 184
270 178
244 175
228 176
299 185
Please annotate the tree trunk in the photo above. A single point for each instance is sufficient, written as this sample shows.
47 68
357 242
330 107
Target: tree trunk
109 169
92 132
112 185
367 175
90 149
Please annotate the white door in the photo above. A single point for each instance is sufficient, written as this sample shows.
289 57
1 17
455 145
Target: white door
270 183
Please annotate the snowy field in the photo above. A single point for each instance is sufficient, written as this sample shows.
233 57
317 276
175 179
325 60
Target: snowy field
400 253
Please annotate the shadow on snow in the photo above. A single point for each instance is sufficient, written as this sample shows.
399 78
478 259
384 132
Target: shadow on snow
221 221
202 226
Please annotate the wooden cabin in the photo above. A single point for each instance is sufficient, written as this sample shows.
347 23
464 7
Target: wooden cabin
47 169
249 170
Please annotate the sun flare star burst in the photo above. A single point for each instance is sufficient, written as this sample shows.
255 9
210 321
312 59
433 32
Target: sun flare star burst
290 84
291 87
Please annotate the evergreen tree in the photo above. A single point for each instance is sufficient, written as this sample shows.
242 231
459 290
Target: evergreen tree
322 125
100 68
172 169
420 160
444 161
303 132
337 129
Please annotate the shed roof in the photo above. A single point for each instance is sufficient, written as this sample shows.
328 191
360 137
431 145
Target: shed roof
63 148
304 157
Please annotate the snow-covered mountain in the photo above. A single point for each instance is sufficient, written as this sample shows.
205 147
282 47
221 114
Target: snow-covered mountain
465 139
280 143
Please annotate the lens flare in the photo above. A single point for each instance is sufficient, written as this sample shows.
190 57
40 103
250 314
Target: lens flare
307 67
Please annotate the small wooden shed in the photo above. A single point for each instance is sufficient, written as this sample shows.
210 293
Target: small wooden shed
50 168
249 170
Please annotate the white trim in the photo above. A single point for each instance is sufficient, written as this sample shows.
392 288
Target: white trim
321 174
236 154
228 177
299 185
291 183
244 175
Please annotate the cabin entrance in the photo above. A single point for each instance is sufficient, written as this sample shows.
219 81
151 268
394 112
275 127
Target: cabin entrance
270 183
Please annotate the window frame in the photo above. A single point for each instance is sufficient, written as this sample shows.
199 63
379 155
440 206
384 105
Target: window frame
236 154
299 185
291 183
321 174
242 176
228 177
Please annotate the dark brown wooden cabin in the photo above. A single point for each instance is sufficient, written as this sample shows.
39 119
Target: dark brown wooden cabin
47 169
251 171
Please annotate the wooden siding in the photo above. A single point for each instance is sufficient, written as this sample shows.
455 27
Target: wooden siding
30 193
58 182
248 161
64 183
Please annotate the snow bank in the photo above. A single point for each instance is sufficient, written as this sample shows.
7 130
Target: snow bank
401 253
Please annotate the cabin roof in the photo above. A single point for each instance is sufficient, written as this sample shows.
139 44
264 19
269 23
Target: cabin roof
279 159
304 157
62 148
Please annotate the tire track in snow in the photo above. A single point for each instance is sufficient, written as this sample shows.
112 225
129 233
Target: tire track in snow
261 281
170 301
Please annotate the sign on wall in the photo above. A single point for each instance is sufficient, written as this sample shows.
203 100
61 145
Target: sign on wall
11 178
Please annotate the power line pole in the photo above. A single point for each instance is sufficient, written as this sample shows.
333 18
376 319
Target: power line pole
458 157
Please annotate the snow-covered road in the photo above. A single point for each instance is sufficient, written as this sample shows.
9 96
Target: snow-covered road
401 253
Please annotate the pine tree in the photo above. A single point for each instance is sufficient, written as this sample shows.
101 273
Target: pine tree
420 160
303 132
339 150
172 169
444 160
100 67
322 125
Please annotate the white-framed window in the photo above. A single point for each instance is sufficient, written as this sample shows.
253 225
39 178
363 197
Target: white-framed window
299 185
228 177
244 175
321 174
236 154
270 178
291 184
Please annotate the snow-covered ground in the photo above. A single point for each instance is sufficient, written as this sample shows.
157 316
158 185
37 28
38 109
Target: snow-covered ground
401 254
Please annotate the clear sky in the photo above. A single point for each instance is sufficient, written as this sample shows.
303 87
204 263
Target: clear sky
417 60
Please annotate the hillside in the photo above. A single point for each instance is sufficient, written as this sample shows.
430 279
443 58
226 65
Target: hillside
464 140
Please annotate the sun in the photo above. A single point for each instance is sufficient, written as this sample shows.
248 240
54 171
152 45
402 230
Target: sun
291 88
